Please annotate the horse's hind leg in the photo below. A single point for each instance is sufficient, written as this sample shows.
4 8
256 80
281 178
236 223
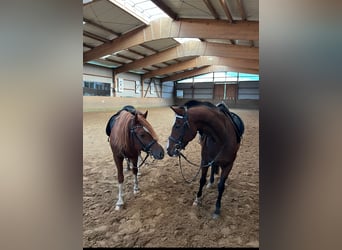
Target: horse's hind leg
214 170
220 186
203 180
128 162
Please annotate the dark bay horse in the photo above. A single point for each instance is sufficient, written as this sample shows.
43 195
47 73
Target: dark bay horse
220 135
130 133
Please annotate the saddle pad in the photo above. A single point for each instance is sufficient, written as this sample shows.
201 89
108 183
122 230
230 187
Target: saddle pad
240 127
111 121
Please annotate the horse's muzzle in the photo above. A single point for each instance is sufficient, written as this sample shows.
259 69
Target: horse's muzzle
174 152
158 154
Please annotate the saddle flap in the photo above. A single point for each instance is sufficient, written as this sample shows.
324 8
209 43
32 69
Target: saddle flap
238 123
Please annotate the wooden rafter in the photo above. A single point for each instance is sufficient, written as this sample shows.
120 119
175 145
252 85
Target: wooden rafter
242 10
100 26
88 46
149 48
204 61
114 61
137 53
211 9
125 57
225 7
96 37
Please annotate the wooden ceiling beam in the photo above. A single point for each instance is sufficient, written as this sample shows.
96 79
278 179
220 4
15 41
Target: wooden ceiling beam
184 28
194 48
204 61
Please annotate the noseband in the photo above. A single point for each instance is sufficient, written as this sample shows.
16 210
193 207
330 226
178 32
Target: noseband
179 144
145 148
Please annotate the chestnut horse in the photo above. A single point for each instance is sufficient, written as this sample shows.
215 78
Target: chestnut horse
129 134
220 131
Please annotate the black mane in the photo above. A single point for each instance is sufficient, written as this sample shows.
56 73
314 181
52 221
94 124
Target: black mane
237 122
194 103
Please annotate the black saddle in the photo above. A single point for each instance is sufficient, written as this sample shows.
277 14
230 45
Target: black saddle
111 121
238 123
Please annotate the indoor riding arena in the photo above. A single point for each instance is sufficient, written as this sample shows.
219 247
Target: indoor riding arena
153 55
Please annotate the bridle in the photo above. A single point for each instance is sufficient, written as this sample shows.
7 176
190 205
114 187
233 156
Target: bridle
179 144
145 148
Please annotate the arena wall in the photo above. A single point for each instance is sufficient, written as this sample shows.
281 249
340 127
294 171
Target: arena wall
107 103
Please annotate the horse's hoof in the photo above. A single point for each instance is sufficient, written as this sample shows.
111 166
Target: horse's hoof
196 203
118 207
136 191
139 173
215 216
209 185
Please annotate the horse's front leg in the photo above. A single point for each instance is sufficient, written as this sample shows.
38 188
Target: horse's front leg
203 180
220 186
135 173
119 166
140 160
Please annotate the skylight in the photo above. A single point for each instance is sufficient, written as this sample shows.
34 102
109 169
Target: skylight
182 40
144 9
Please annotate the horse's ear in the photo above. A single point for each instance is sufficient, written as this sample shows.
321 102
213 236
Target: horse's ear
145 114
135 118
178 110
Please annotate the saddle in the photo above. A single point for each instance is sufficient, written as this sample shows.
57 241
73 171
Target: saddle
111 121
238 123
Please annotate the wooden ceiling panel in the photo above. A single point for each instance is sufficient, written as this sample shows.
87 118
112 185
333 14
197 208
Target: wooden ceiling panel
227 28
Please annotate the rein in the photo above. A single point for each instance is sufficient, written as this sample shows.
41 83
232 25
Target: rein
210 164
138 167
145 148
180 166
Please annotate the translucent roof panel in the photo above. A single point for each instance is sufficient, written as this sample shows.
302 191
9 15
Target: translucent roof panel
145 8
222 76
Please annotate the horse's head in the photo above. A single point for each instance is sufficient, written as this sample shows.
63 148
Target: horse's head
144 137
182 131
